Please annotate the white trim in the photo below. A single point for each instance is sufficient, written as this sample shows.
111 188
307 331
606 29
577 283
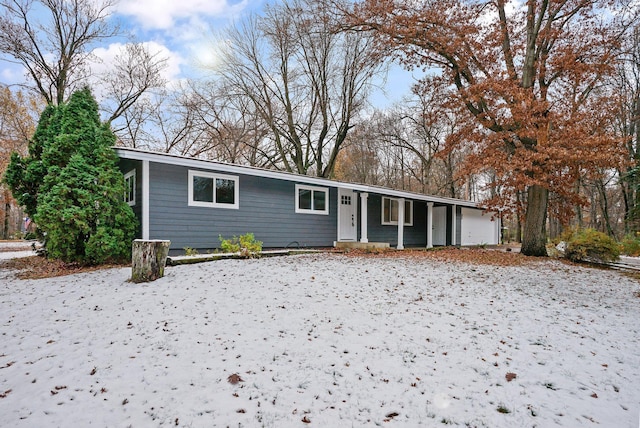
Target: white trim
392 222
145 199
364 238
136 154
429 224
454 225
401 223
312 189
214 177
127 176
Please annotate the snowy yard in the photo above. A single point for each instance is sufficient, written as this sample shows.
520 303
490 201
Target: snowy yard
323 340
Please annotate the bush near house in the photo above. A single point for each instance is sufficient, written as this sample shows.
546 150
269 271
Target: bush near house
590 245
245 244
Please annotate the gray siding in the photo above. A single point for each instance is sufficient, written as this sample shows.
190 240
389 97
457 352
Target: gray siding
266 208
414 236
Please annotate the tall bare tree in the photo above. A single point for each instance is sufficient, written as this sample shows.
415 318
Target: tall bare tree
54 50
306 80
135 71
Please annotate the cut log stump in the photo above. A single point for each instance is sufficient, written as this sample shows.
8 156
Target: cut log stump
148 258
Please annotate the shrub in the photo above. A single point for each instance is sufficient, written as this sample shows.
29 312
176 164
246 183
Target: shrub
246 245
630 245
188 251
591 245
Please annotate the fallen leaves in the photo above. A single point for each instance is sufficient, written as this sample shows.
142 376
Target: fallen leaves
9 364
57 389
4 394
510 376
36 267
390 416
476 256
234 379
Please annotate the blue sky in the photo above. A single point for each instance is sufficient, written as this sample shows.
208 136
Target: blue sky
183 32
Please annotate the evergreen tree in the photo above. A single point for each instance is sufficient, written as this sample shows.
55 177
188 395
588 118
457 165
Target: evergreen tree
77 201
24 175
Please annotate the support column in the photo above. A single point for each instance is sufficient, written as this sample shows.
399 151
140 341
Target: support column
364 197
401 224
145 199
429 224
454 224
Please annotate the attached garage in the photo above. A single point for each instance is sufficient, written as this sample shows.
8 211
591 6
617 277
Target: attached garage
478 228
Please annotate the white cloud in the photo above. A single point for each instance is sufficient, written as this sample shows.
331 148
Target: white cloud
164 14
12 74
107 56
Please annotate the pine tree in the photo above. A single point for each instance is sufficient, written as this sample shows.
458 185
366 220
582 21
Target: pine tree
24 175
77 201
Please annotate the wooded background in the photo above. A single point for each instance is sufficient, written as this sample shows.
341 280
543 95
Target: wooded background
516 96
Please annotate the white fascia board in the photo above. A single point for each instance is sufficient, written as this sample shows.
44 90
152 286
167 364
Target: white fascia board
136 154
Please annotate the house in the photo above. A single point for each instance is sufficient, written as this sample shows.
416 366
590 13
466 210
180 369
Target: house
192 202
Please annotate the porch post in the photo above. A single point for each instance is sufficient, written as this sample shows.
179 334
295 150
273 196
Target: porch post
454 223
364 197
401 224
429 224
145 200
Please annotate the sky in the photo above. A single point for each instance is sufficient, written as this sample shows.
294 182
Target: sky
183 31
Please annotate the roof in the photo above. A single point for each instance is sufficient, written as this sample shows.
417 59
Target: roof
166 158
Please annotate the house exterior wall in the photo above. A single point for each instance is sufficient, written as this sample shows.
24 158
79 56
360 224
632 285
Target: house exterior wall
414 236
266 209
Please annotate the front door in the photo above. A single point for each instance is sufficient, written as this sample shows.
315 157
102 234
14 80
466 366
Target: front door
439 226
347 212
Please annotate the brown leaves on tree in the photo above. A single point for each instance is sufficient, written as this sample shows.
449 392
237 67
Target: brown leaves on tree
524 83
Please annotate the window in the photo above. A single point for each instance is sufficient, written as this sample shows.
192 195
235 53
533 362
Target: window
213 190
130 187
312 200
390 211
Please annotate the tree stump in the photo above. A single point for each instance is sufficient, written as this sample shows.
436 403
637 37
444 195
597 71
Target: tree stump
148 259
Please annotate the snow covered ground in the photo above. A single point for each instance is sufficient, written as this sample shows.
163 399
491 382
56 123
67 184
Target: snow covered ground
15 249
323 340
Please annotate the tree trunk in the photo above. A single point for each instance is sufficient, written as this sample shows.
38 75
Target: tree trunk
534 239
148 259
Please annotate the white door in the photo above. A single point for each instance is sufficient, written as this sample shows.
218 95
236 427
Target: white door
439 226
347 213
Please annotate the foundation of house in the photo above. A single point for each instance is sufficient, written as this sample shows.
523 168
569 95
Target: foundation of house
362 245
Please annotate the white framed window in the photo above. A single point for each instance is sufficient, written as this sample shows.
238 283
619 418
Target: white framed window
211 190
312 200
130 187
390 211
